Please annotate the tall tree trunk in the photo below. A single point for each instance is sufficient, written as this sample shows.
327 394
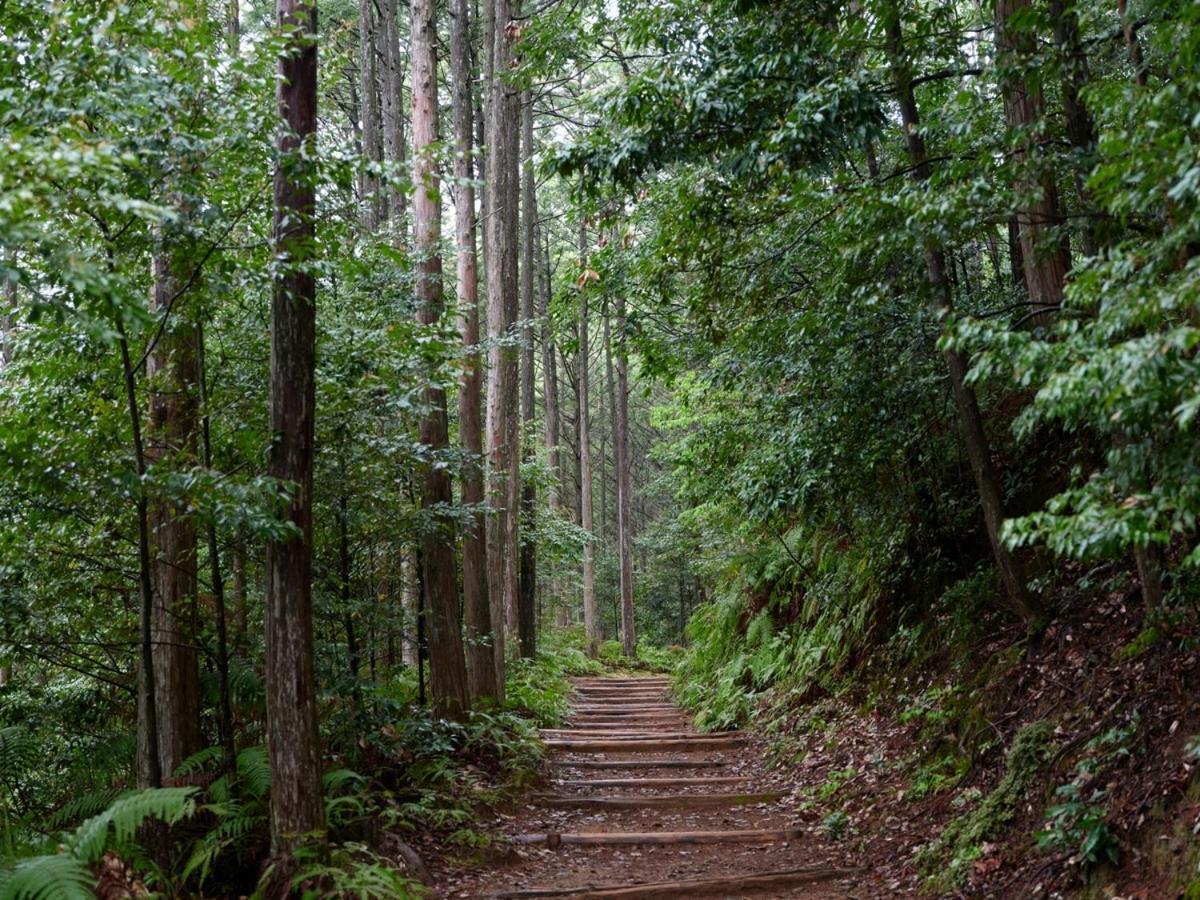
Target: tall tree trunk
368 88
1081 129
551 418
394 145
293 740
987 479
527 605
148 768
225 710
447 666
591 623
172 425
624 486
1046 256
501 260
1132 44
481 665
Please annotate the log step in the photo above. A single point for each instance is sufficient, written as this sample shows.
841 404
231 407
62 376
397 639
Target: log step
658 801
677 745
605 838
682 781
725 886
621 709
618 733
640 763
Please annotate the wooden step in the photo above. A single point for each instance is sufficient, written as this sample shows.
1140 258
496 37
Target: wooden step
602 838
617 734
627 721
640 763
617 709
681 781
724 886
678 745
658 801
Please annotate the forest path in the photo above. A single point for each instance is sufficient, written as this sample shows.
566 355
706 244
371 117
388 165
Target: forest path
643 806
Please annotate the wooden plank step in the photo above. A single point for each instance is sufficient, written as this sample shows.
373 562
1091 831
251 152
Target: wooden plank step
724 885
618 709
608 838
681 781
657 801
617 745
625 721
640 763
617 734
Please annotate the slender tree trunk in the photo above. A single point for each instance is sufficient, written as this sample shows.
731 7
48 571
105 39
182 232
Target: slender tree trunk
1081 129
410 605
481 665
1045 255
447 665
501 259
394 144
591 623
527 604
293 740
368 88
1132 44
225 712
172 426
551 416
987 479
624 486
149 769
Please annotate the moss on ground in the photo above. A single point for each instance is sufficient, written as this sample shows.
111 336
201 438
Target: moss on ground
946 860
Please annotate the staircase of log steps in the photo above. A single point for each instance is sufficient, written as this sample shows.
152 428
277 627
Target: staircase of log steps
630 750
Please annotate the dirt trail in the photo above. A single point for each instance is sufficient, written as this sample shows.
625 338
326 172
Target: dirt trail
641 805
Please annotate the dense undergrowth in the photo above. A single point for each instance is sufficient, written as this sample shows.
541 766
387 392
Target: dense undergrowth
959 752
395 776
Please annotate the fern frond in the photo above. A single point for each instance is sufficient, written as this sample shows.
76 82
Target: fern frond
18 751
126 815
58 877
200 760
83 806
254 769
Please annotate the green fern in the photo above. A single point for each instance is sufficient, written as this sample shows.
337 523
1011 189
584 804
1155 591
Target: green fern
122 820
237 819
58 877
18 751
83 806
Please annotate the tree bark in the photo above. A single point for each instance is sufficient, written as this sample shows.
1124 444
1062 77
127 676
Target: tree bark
172 425
624 486
481 666
293 740
1046 256
368 88
1081 129
501 264
551 419
527 605
591 623
394 144
987 479
447 666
